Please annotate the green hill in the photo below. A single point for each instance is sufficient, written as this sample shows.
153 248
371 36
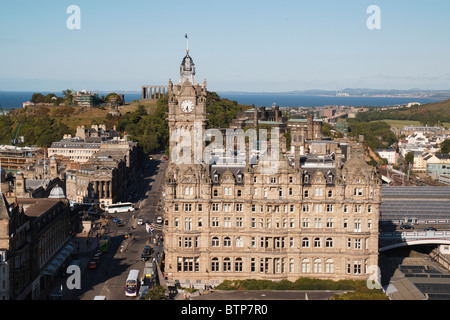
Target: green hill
427 114
145 122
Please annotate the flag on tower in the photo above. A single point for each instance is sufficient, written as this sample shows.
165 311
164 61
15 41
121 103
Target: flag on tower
186 36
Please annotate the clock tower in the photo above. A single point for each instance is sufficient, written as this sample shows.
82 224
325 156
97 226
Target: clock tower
187 116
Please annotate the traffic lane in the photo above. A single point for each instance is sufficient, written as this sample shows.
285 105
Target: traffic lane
95 280
110 276
131 257
415 227
423 227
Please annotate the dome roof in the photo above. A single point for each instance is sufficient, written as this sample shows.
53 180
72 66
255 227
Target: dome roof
187 69
188 64
57 193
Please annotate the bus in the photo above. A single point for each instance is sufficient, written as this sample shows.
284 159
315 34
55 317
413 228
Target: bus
120 207
131 286
104 243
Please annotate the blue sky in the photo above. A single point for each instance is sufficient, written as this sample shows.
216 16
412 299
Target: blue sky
242 45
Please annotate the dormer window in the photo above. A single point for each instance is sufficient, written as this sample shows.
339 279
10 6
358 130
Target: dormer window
216 177
306 178
330 179
239 177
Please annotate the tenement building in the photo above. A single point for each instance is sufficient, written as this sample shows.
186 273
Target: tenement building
293 214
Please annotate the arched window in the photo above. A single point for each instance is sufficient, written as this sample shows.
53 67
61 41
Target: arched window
329 266
215 242
305 243
238 265
227 242
317 243
215 265
306 266
226 265
329 243
317 266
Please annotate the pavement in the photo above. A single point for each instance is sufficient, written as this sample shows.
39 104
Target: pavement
85 245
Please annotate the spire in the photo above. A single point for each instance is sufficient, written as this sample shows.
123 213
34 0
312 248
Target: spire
187 68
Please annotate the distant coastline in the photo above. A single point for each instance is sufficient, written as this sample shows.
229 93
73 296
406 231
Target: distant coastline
361 92
308 98
300 100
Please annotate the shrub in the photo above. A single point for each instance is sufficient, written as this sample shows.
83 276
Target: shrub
358 288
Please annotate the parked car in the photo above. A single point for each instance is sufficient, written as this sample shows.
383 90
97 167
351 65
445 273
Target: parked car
147 249
146 253
430 229
140 221
159 220
143 291
406 226
145 256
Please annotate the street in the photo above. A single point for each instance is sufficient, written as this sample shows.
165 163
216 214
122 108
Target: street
109 277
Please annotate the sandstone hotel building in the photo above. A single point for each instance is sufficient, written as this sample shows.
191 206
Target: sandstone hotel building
315 216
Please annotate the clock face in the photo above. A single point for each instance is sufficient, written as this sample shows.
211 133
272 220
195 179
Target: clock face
187 106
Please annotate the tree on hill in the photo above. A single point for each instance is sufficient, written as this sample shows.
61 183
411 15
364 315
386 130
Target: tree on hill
49 98
445 146
113 95
68 96
427 114
377 134
220 111
409 157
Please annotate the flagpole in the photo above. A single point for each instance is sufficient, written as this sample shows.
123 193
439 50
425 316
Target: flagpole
187 43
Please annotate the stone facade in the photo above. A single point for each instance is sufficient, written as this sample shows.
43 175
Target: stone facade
314 216
33 231
102 180
106 164
15 250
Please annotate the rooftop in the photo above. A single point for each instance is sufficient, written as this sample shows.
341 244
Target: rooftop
419 202
35 207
